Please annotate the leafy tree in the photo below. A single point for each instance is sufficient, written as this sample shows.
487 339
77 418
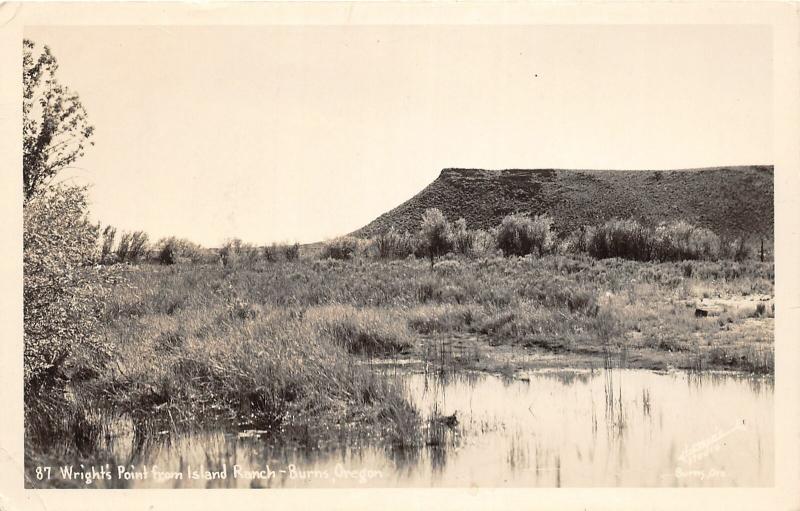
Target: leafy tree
63 294
63 297
436 233
55 129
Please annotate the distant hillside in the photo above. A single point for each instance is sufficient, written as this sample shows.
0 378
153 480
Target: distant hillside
733 201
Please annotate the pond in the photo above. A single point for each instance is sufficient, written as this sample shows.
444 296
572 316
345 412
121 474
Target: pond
542 428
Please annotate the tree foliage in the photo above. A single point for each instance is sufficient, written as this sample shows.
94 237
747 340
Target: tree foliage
521 235
436 233
173 250
132 247
463 238
674 241
107 245
55 128
393 245
627 239
62 293
344 247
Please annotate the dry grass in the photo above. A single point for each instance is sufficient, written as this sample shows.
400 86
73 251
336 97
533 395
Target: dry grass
278 345
556 302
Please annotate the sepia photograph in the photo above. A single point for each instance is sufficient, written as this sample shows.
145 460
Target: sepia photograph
398 256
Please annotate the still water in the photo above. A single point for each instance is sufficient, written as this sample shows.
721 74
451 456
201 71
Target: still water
544 428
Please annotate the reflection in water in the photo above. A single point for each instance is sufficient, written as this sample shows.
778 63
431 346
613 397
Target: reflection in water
610 427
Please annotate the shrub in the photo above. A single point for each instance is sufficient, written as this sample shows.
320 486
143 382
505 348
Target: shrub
463 238
137 248
341 248
705 244
484 243
436 234
393 245
578 241
106 256
173 250
276 252
521 235
620 238
291 252
132 246
681 240
736 249
235 252
448 267
168 253
123 247
271 252
627 239
386 244
63 294
428 289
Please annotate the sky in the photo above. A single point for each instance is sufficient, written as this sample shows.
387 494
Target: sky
304 133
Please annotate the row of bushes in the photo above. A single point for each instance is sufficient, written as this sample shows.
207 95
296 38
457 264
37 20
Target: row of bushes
517 235
520 235
676 241
133 247
236 252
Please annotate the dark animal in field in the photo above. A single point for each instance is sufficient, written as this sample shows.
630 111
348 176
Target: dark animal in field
700 313
450 421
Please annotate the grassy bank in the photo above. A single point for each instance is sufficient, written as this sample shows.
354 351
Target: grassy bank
283 346
190 348
555 303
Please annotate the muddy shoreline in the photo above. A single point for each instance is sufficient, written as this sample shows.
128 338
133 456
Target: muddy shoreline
481 353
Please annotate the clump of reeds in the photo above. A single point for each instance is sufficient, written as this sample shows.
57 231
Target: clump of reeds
367 331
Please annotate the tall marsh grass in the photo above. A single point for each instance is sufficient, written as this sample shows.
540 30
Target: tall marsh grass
277 344
360 330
